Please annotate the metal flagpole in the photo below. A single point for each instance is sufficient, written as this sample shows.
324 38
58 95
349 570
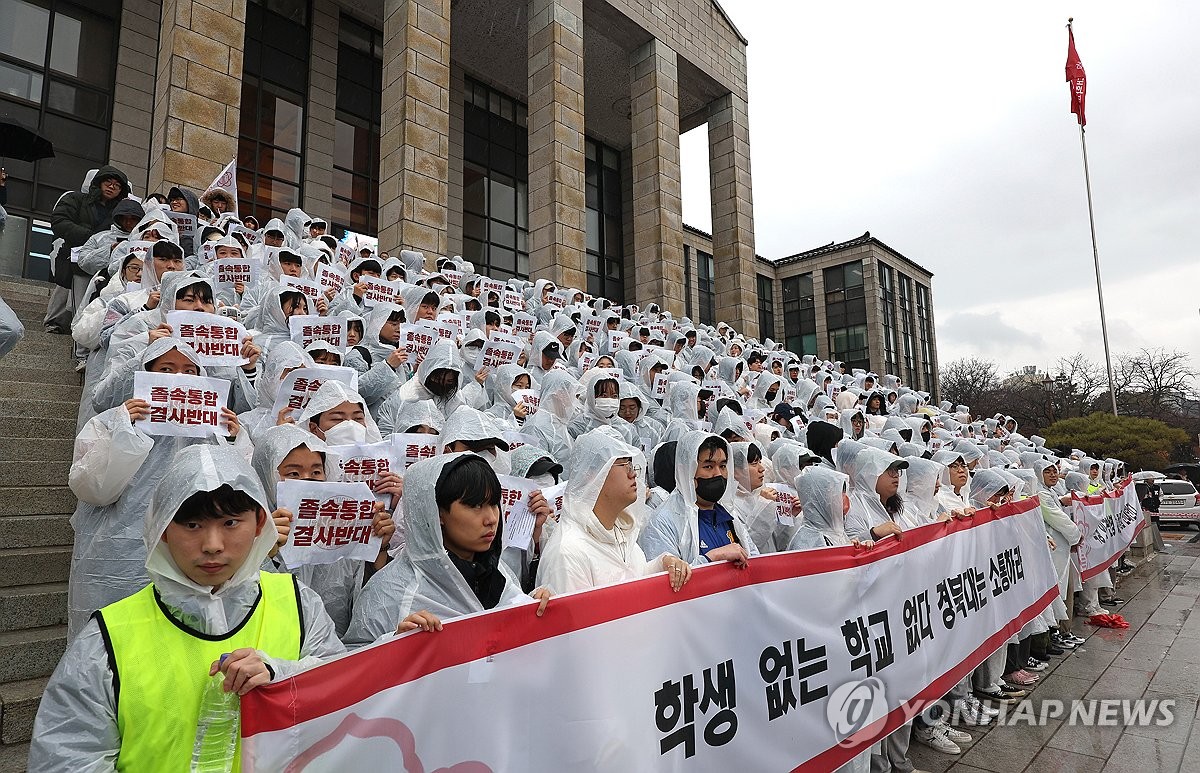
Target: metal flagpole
1112 392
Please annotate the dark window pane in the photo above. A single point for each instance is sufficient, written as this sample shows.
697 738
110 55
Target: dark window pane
82 47
503 235
474 226
612 236
78 138
503 199
343 145
20 82
83 103
23 31
473 252
504 259
474 189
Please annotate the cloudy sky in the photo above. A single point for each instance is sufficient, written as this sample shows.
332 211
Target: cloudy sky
944 129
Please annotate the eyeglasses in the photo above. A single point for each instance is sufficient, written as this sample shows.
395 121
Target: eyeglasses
630 468
960 465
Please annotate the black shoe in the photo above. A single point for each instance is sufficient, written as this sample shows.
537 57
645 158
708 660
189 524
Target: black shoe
1053 650
1112 601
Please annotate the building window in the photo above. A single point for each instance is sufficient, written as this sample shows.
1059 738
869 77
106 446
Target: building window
908 349
766 307
687 281
704 286
887 294
57 66
274 92
800 315
495 183
605 255
846 315
926 333
356 131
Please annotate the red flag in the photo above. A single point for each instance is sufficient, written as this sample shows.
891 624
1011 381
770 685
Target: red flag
1076 77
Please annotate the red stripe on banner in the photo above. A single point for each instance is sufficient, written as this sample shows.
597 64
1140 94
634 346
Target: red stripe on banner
838 755
341 683
1095 570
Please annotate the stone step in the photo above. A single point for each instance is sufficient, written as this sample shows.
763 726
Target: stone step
15 284
33 606
36 500
32 311
38 409
60 373
14 758
39 360
20 704
34 531
37 428
41 344
31 653
27 390
24 295
42 473
34 566
23 449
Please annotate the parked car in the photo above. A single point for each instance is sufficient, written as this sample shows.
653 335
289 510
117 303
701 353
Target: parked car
1179 503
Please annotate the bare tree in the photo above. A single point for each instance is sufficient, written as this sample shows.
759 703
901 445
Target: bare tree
1082 382
968 381
1154 383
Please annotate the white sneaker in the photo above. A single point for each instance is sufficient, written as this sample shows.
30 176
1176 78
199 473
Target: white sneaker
935 737
979 706
958 736
966 714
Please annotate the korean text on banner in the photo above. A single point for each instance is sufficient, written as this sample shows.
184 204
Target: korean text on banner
497 353
311 289
183 406
229 271
185 222
364 463
378 291
412 447
329 277
301 384
1108 523
645 681
306 328
218 340
332 522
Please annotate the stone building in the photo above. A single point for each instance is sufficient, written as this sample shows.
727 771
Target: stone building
535 138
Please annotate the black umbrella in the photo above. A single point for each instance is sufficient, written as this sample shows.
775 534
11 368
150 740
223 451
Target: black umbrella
22 144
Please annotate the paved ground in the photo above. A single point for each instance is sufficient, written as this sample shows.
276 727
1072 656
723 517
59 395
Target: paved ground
1157 657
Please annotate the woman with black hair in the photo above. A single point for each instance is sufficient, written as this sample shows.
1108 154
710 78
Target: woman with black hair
876 405
821 437
450 564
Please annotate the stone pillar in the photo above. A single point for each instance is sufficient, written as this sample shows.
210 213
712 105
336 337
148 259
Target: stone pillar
557 203
198 94
133 96
321 112
414 143
732 214
657 200
454 214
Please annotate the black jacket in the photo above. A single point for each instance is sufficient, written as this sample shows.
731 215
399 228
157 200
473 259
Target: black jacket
77 216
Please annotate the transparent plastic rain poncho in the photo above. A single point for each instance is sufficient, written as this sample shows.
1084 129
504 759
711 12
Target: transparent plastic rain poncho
285 356
330 395
728 421
272 323
921 505
1077 482
558 404
590 418
581 553
500 393
11 329
644 431
337 583
76 727
757 511
1061 529
984 485
864 465
409 415
114 471
675 528
820 492
760 399
845 421
470 425
422 577
441 356
682 398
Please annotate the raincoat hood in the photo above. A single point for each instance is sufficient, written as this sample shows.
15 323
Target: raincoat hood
820 491
272 447
591 460
332 394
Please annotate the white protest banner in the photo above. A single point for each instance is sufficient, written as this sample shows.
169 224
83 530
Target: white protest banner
454 321
517 439
185 223
530 398
229 271
499 335
616 340
307 286
452 276
412 447
182 406
785 501
416 340
497 353
659 390
378 291
332 521
300 385
345 253
514 491
329 277
218 340
1109 522
591 326
644 681
585 360
557 299
306 328
555 496
364 463
524 325
487 284
249 234
512 300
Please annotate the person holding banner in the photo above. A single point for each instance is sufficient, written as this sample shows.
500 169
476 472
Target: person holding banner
450 564
439 379
389 369
285 357
114 470
596 540
203 538
338 415
699 522
287 452
506 380
755 501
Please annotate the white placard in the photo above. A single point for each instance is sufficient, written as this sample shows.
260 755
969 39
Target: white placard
331 521
180 405
300 385
306 328
412 447
228 271
497 353
218 340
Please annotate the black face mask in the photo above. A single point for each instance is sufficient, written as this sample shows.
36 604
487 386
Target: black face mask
711 489
441 389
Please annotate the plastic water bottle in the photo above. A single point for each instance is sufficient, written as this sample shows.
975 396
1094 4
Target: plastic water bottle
218 728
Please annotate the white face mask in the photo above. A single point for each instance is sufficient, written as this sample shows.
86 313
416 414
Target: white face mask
607 407
544 481
346 433
471 355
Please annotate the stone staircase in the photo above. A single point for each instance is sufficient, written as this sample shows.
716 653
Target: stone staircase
39 396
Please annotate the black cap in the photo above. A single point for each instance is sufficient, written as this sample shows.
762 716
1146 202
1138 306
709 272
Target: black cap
552 350
784 410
